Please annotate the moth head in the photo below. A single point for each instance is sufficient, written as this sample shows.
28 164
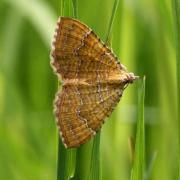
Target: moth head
127 77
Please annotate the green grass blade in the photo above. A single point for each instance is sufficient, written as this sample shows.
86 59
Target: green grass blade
61 7
115 6
83 161
150 166
67 8
66 162
95 171
138 164
176 11
75 8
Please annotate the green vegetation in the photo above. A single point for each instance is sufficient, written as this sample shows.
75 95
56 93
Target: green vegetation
138 158
176 11
145 37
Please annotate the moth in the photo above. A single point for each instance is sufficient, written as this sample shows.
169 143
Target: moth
93 81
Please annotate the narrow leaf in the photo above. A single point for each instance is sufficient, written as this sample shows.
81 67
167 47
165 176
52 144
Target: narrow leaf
75 10
66 162
95 171
115 6
138 163
176 11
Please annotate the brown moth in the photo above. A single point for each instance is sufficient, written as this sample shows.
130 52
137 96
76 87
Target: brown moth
93 81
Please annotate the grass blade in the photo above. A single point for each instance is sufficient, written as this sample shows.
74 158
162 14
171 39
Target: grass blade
176 11
138 164
75 10
115 6
66 162
95 172
150 166
67 8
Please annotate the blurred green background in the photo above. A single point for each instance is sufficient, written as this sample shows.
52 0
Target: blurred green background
142 38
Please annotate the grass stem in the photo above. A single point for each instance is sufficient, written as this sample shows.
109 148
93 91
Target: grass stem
75 10
176 12
115 6
138 162
95 171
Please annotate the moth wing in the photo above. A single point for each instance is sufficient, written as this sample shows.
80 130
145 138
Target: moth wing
81 111
77 52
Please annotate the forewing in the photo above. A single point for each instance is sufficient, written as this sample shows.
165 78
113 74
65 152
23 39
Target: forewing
78 53
81 110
